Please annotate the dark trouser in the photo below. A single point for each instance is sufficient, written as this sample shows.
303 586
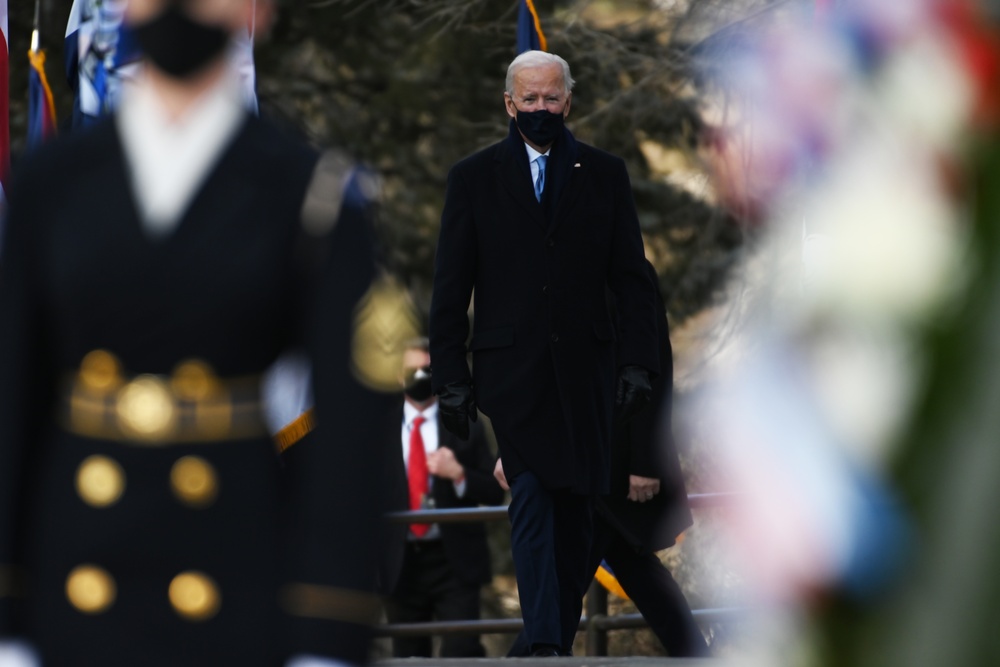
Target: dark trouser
551 534
653 590
428 590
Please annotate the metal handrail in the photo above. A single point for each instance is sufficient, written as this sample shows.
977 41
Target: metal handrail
498 512
596 623
514 625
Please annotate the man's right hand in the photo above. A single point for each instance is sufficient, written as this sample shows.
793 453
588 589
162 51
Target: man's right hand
457 407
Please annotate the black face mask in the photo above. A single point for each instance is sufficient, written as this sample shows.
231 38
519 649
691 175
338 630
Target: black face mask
541 127
419 386
177 44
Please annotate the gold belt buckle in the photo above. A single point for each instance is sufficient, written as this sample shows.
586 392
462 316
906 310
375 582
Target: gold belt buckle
146 410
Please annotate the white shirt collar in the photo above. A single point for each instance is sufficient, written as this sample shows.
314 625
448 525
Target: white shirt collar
410 413
533 154
169 159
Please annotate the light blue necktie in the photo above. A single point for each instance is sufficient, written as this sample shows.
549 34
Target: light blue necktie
540 181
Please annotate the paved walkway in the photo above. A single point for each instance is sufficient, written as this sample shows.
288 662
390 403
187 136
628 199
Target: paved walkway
575 661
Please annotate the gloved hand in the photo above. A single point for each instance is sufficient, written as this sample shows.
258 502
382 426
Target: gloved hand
633 393
457 406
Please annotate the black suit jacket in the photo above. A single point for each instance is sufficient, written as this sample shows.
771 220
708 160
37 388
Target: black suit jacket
464 543
645 446
543 341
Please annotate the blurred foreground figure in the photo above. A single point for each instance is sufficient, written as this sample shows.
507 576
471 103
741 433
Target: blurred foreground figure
854 409
153 266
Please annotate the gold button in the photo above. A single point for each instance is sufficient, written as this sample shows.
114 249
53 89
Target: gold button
145 408
100 481
100 371
90 589
194 482
194 596
194 380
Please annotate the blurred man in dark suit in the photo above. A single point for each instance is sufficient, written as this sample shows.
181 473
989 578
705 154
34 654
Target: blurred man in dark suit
435 571
539 226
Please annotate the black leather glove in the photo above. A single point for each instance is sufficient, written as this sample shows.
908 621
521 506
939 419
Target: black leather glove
633 393
457 406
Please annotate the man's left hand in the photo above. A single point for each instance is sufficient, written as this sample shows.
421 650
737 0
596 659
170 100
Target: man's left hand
442 463
642 489
633 393
499 476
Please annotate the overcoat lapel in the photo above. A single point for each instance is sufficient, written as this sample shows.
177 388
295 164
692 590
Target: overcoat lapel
569 171
515 174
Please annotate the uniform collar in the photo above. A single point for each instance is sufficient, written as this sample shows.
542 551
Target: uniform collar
170 158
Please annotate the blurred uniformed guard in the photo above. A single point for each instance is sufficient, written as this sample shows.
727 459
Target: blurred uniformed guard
153 267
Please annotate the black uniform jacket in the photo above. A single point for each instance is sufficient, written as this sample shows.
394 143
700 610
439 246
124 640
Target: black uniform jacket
645 446
543 343
239 280
464 543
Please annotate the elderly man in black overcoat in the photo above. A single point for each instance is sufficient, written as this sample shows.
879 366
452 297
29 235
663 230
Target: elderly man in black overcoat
538 226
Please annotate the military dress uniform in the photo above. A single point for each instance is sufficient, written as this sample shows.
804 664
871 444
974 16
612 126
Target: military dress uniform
141 517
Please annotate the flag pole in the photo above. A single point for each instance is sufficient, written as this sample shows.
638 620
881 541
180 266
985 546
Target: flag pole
41 105
34 32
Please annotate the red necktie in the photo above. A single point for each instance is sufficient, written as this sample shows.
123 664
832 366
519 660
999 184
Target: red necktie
417 474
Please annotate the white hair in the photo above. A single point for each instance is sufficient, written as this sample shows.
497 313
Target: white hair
537 59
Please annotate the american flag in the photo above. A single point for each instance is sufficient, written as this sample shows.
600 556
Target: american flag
529 28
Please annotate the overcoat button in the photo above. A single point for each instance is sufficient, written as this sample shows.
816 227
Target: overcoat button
552 243
555 338
545 290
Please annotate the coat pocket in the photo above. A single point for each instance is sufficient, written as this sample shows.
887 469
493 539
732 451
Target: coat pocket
485 340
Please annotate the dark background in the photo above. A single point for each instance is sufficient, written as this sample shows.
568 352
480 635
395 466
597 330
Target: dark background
411 86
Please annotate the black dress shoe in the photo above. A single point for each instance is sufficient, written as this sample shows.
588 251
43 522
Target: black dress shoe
545 651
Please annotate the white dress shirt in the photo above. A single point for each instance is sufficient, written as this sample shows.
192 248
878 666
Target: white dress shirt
429 433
